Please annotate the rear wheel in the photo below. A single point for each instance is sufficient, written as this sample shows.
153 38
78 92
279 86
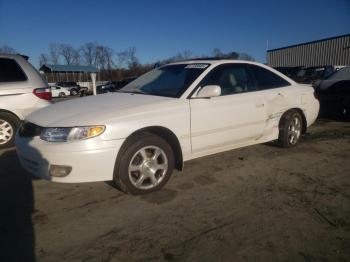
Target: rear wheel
8 127
290 129
145 165
62 94
74 92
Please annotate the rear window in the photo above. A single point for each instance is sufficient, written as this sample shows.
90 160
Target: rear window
10 71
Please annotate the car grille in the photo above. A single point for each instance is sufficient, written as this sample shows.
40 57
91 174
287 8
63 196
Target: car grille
29 130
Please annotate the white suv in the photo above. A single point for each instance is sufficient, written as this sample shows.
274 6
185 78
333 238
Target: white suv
22 91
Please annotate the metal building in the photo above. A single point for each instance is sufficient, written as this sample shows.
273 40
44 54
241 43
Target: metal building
329 51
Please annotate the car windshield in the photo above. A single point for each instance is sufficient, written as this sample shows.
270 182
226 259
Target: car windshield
169 80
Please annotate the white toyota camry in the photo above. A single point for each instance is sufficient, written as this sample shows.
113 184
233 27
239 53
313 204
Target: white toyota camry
174 113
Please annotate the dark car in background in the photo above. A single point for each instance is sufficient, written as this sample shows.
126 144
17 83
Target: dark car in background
125 81
112 86
310 75
334 95
289 71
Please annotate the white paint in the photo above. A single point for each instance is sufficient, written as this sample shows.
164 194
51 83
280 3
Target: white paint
202 126
57 90
17 97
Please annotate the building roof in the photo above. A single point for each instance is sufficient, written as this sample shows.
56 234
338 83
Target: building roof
68 68
312 42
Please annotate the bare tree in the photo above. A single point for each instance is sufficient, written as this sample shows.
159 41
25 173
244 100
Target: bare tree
5 49
232 55
76 57
89 53
69 54
54 51
128 58
108 63
122 58
217 53
244 56
43 59
100 57
187 54
108 54
133 60
184 55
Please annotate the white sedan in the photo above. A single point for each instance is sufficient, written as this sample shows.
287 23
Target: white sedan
172 114
58 91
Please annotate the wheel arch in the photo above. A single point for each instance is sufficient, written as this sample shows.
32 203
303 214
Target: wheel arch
299 110
164 133
10 113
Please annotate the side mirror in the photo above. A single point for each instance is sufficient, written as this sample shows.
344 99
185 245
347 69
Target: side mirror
209 91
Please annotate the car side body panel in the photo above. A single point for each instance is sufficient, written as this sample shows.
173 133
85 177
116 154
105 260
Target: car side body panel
226 120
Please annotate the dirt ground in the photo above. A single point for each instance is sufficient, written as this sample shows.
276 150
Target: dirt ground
260 203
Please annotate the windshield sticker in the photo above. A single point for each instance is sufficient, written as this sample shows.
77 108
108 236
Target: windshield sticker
201 66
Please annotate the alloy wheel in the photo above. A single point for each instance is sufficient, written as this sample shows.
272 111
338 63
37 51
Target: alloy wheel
294 130
6 132
148 167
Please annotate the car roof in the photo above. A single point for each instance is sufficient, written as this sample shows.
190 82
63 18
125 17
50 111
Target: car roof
13 56
215 61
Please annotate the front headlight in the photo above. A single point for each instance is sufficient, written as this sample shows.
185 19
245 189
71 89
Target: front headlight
64 134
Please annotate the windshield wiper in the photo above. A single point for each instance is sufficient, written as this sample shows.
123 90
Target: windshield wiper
133 92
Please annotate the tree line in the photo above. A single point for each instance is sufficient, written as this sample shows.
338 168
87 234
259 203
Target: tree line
111 64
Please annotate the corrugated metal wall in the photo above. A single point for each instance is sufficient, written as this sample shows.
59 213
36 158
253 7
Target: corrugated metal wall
333 51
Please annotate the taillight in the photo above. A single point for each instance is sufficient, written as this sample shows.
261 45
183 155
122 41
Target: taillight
43 93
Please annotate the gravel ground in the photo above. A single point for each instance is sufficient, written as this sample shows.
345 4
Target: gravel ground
260 203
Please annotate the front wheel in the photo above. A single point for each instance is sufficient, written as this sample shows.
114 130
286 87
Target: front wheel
145 166
290 129
74 92
8 127
62 94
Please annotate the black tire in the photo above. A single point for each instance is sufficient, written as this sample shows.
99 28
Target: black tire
121 171
14 122
61 94
73 92
284 139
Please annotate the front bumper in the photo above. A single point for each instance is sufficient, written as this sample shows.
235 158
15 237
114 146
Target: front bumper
91 160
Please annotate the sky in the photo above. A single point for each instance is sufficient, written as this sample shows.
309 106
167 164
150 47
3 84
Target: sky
161 29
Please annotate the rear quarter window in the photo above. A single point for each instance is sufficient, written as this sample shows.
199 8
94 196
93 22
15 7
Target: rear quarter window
10 71
266 79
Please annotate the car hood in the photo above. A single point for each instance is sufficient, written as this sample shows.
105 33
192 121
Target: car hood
95 110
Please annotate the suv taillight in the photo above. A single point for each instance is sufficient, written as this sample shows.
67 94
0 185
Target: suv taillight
43 93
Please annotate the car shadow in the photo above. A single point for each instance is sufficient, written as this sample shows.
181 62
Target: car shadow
17 238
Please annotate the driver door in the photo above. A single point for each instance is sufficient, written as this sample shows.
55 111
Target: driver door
237 116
